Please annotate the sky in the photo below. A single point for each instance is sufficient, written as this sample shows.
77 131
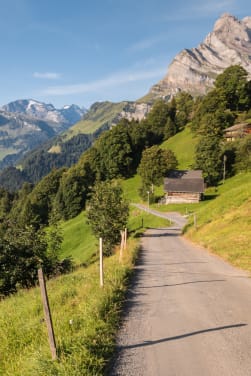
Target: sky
84 51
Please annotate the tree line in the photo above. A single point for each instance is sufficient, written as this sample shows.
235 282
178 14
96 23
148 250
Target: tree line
229 102
127 148
63 193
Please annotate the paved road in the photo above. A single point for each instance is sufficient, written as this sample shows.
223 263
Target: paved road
174 217
188 313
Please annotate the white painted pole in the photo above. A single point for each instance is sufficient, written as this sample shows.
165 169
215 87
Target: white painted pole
101 271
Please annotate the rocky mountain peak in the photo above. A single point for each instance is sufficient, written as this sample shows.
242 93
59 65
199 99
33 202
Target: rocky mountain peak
65 117
194 70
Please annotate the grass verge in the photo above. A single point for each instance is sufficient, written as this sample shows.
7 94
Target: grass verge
85 316
85 320
224 224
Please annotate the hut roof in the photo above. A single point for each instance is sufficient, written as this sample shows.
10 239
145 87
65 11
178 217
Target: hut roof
184 181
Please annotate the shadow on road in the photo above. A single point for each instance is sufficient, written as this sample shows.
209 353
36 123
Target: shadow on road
175 263
158 235
151 343
180 284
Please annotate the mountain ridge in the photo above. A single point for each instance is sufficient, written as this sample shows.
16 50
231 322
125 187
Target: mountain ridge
194 70
27 123
66 116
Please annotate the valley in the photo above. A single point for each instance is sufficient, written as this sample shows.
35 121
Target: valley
64 164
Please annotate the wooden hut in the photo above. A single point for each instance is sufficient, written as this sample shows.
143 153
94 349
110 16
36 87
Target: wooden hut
184 186
239 130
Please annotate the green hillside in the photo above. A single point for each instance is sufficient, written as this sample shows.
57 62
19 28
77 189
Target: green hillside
183 145
85 316
224 223
100 115
79 242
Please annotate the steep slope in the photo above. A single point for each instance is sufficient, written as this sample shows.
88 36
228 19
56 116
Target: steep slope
20 133
223 224
183 145
194 70
104 115
26 124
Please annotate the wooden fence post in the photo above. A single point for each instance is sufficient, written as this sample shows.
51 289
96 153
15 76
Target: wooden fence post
121 245
47 314
101 271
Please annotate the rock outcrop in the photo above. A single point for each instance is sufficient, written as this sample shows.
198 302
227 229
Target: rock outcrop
135 111
194 70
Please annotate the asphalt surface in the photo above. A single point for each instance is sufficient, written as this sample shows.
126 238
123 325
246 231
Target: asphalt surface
188 313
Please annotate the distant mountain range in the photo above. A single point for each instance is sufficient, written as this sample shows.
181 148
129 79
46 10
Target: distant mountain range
26 123
60 119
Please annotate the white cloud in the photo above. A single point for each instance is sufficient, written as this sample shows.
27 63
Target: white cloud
108 82
47 75
195 9
216 6
147 43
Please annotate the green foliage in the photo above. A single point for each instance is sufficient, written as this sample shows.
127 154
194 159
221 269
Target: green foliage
115 153
166 118
6 201
12 178
208 158
107 213
213 114
42 196
169 129
243 155
22 251
158 115
154 165
234 87
72 192
184 107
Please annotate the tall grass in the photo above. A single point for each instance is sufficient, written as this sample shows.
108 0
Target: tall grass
85 316
85 320
224 224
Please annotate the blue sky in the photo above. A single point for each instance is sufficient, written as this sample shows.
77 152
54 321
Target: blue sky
78 51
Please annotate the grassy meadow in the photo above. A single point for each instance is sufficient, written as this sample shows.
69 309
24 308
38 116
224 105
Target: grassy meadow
224 223
183 145
78 240
85 316
94 119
